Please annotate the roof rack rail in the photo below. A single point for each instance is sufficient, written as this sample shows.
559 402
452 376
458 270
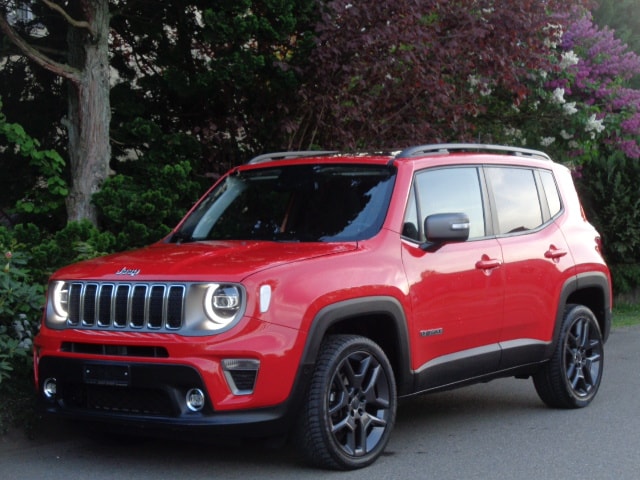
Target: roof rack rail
469 147
268 157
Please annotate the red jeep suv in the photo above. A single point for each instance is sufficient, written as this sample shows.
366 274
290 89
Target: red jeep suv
307 291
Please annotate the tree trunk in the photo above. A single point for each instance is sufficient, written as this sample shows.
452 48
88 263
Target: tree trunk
89 110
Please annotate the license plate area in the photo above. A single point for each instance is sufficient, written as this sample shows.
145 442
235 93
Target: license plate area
101 374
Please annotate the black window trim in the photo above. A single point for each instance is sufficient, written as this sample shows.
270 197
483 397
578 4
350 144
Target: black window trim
488 201
484 193
547 219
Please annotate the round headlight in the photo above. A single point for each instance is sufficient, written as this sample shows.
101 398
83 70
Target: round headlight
222 304
60 299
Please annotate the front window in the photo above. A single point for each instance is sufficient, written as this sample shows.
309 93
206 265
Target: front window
445 190
326 203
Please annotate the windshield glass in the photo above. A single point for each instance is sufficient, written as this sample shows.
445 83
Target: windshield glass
326 203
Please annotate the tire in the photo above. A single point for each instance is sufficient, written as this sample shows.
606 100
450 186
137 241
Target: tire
350 406
572 376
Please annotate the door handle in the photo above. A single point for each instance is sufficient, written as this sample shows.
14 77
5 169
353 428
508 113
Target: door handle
487 263
555 253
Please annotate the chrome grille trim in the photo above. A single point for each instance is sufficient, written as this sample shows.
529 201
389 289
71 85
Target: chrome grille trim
131 306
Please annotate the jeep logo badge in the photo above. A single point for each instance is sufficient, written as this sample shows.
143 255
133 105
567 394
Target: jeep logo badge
128 271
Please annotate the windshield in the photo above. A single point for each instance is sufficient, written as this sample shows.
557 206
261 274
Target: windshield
326 203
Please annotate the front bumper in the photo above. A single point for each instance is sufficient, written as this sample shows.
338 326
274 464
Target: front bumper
149 397
143 379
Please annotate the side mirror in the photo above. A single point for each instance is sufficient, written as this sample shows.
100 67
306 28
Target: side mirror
442 228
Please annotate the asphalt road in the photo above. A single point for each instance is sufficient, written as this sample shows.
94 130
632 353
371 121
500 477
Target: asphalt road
499 430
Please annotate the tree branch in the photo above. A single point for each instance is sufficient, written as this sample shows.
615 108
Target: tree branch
71 21
38 57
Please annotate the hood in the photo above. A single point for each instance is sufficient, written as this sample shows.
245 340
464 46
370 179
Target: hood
197 261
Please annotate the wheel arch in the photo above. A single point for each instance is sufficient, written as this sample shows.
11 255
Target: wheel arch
591 290
380 318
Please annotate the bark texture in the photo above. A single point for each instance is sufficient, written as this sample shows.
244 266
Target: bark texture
89 114
89 110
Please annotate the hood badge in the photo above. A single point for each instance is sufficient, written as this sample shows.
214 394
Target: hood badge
128 271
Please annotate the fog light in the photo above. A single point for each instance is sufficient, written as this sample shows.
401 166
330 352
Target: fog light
195 399
50 387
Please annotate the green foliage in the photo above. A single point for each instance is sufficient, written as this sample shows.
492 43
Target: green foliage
609 186
21 302
17 295
28 255
621 16
46 196
74 242
152 193
227 75
626 279
31 98
45 252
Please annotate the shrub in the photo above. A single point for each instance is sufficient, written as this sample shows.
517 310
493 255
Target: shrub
609 185
21 303
28 255
148 196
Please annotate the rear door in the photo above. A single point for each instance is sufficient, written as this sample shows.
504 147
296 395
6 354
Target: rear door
525 202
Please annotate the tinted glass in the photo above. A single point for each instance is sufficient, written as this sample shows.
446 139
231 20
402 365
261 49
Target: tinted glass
551 192
294 203
448 190
516 197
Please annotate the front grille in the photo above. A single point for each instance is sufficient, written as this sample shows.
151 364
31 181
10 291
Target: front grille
137 306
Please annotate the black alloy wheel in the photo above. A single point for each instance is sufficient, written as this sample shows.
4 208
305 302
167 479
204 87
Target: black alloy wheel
572 377
351 404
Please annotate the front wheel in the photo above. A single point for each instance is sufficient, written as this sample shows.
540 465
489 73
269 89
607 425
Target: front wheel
572 377
351 404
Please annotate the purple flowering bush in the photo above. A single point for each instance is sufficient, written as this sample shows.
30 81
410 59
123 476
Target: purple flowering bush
608 157
580 107
584 113
599 80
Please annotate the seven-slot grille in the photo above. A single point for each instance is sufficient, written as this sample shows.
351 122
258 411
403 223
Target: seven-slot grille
126 305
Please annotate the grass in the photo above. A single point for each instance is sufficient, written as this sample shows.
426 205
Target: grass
625 315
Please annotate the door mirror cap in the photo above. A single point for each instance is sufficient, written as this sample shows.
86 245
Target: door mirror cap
442 228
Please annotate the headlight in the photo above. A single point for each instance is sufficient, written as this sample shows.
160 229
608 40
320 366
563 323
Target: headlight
223 304
60 299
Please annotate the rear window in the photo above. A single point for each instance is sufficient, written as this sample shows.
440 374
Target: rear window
516 198
551 192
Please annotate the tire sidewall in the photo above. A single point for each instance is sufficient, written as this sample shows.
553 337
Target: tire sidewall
351 346
573 315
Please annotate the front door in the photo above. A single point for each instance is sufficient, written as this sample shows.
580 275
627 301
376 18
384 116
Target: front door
457 290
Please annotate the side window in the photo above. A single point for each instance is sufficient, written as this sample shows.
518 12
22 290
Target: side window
411 223
551 192
516 199
446 190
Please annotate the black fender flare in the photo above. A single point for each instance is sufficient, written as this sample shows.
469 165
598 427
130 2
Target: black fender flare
332 314
574 284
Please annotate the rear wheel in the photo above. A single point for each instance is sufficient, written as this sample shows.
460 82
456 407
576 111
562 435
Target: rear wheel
572 377
350 407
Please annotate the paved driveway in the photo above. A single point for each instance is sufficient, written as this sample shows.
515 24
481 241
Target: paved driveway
499 430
